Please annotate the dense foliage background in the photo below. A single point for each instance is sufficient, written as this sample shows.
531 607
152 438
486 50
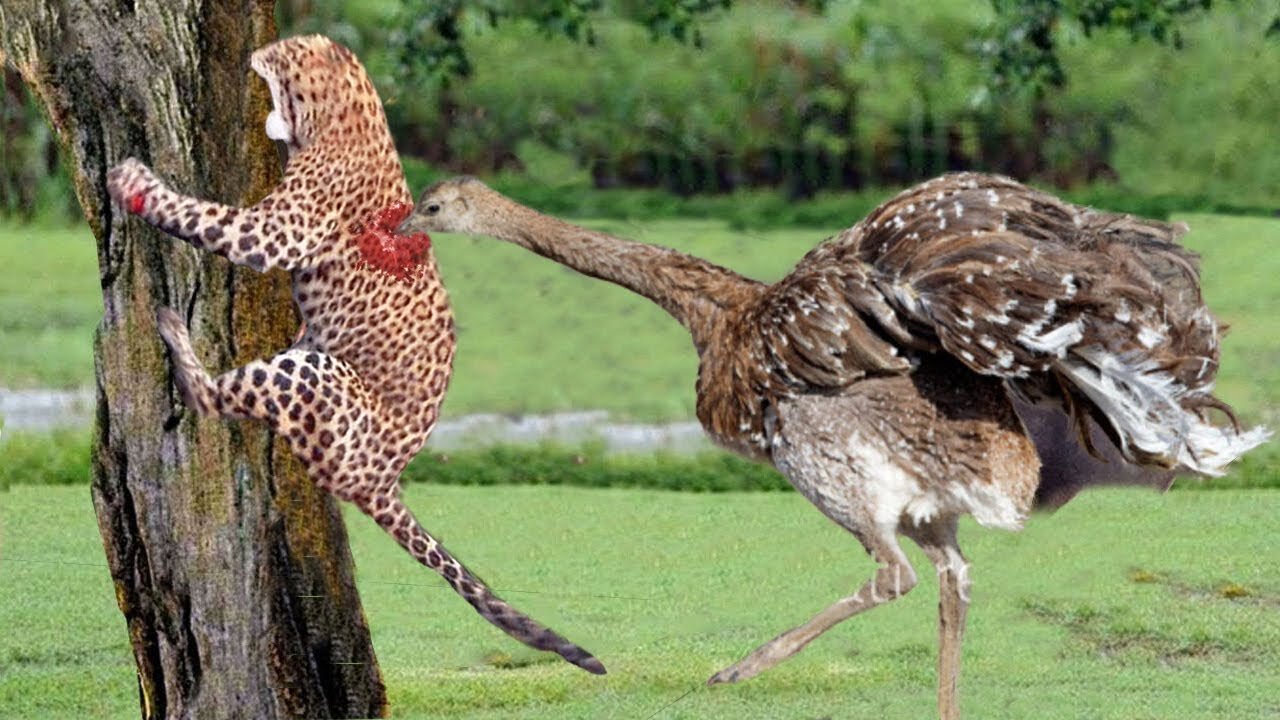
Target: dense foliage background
1155 103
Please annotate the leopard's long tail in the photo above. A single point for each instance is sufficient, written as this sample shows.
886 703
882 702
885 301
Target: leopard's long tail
396 519
190 377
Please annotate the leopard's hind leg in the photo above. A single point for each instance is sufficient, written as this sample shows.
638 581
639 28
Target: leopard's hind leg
335 426
279 390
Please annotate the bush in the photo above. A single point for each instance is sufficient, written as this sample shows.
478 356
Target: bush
63 459
768 209
58 458
589 467
1161 206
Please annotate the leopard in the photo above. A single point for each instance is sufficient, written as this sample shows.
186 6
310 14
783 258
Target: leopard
359 391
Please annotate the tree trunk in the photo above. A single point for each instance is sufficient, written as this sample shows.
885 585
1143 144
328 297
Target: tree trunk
232 570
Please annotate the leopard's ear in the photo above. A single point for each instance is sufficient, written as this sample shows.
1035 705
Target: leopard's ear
340 55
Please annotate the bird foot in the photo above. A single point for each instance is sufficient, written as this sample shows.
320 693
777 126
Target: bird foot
765 657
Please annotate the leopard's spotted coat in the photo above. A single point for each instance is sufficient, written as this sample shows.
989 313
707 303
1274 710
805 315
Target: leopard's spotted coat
360 390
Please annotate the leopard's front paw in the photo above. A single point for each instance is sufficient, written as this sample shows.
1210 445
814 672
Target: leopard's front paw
131 184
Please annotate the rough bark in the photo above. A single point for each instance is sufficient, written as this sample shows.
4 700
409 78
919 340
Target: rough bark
233 572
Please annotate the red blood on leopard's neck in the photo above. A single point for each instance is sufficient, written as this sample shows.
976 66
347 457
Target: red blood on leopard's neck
383 249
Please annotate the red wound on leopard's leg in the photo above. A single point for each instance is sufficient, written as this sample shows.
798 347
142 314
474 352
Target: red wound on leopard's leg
383 249
137 203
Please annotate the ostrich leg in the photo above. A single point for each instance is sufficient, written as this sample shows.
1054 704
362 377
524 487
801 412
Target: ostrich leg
938 540
891 581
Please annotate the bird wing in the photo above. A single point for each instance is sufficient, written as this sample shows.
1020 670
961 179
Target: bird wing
1007 278
814 334
942 266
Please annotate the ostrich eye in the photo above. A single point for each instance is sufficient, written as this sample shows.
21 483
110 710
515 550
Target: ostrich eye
433 208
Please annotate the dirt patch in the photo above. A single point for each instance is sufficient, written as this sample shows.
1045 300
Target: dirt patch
1224 590
1116 633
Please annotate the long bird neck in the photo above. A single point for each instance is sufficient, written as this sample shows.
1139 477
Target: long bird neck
692 290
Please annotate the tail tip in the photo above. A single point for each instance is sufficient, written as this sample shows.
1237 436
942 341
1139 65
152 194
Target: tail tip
588 662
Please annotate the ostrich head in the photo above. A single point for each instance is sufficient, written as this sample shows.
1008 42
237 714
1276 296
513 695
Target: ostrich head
456 205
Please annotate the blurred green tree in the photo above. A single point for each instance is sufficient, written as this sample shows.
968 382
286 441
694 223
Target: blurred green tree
1023 48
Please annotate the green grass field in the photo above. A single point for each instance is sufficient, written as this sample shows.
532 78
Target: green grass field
1123 605
536 337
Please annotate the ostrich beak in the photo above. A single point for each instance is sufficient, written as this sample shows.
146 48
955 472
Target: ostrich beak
410 225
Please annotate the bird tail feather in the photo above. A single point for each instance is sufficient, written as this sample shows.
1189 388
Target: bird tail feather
1156 419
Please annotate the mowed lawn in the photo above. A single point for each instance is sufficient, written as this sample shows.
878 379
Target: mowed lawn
1125 605
535 337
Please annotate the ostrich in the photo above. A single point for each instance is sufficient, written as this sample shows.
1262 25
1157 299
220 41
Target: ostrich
880 375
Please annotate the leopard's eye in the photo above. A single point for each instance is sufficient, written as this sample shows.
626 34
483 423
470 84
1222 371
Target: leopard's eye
433 208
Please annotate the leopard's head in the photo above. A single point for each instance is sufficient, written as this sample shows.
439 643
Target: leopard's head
318 87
